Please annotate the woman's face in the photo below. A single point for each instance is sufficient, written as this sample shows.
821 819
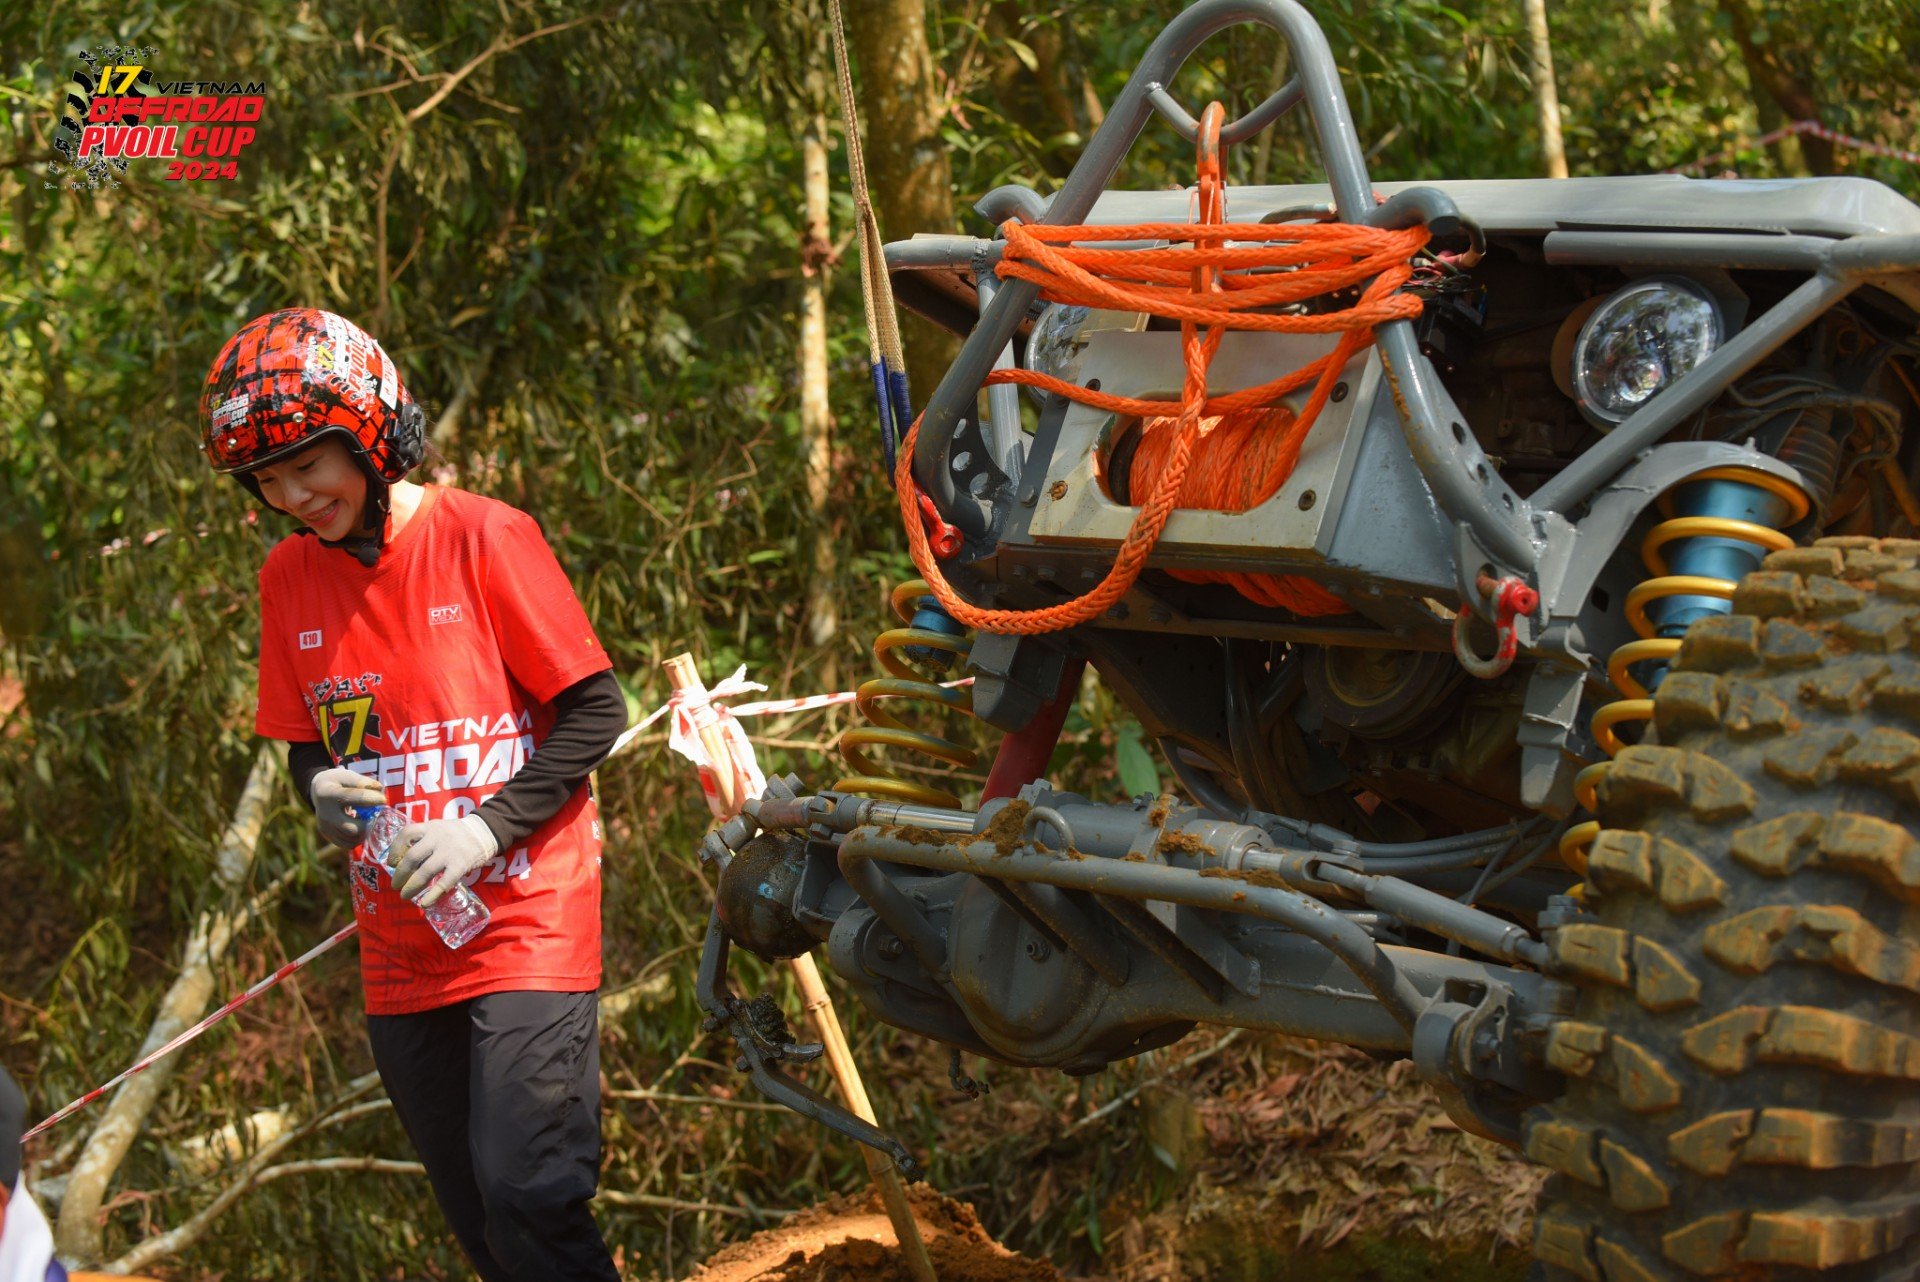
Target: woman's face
321 485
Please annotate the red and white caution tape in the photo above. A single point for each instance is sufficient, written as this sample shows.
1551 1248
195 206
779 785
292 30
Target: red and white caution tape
694 711
759 708
147 1061
1812 127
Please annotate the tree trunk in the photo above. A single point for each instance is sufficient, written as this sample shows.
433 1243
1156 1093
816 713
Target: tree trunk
79 1230
816 420
1263 152
1546 96
906 157
1035 92
1772 79
1788 156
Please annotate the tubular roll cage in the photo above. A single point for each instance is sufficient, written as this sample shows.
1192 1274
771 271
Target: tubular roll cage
1472 1025
1497 529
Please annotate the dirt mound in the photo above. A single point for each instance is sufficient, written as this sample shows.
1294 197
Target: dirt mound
849 1237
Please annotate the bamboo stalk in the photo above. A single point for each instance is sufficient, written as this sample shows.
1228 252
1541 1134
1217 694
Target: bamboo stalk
685 676
886 1176
820 1013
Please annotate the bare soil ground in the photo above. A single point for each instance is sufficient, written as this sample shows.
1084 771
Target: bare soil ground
1270 1162
850 1237
1254 1158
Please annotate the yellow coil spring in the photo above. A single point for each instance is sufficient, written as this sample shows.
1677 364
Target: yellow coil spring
876 779
1638 703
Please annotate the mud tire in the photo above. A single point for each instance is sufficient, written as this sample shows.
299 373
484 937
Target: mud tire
1743 1060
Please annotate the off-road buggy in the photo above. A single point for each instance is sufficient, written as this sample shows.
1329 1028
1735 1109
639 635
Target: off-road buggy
1550 718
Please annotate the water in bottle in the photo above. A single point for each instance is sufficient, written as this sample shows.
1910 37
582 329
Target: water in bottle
459 915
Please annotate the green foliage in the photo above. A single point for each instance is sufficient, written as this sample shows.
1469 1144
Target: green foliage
1442 91
586 256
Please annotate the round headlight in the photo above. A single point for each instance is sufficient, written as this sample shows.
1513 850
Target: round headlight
1640 341
1054 346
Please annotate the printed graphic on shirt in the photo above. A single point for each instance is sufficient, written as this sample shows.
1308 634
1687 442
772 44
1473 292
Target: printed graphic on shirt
434 770
342 708
366 887
434 677
466 756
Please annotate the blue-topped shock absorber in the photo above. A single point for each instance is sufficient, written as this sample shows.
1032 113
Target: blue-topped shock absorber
1720 526
916 657
930 616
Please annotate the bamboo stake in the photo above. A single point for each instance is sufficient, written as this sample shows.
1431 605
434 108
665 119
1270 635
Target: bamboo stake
819 1008
685 676
886 1176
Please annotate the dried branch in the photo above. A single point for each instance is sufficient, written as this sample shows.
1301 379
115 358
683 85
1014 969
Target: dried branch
212 1151
499 46
668 1097
79 1230
614 1197
251 1171
378 1165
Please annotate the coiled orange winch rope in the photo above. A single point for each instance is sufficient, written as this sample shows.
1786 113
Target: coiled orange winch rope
1240 460
1187 281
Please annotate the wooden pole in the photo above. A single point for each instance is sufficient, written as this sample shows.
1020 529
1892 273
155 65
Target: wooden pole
685 676
886 1176
819 1007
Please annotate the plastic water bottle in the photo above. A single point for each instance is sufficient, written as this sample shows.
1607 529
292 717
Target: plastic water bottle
458 915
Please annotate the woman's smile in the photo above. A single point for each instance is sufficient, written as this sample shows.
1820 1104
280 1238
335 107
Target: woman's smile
322 487
321 519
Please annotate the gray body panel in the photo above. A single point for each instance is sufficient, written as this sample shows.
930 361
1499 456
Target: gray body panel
1805 206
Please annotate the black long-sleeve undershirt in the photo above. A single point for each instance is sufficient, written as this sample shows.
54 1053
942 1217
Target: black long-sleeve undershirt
587 717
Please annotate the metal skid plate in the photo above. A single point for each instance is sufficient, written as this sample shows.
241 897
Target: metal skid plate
1073 509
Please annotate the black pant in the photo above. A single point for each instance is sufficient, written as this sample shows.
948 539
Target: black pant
501 1097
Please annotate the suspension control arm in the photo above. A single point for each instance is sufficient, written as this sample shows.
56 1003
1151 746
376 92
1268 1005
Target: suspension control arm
1340 936
1418 906
761 1056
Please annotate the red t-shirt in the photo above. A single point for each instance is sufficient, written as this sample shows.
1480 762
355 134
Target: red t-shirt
434 673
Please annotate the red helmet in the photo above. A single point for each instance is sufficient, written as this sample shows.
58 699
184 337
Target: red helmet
289 378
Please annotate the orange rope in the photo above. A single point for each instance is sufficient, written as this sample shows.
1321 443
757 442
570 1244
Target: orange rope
1188 282
1241 460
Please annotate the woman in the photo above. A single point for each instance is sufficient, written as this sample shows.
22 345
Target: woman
422 648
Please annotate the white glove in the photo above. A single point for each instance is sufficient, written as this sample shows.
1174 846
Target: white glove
336 789
429 859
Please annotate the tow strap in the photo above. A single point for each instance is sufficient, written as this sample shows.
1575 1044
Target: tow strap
887 360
